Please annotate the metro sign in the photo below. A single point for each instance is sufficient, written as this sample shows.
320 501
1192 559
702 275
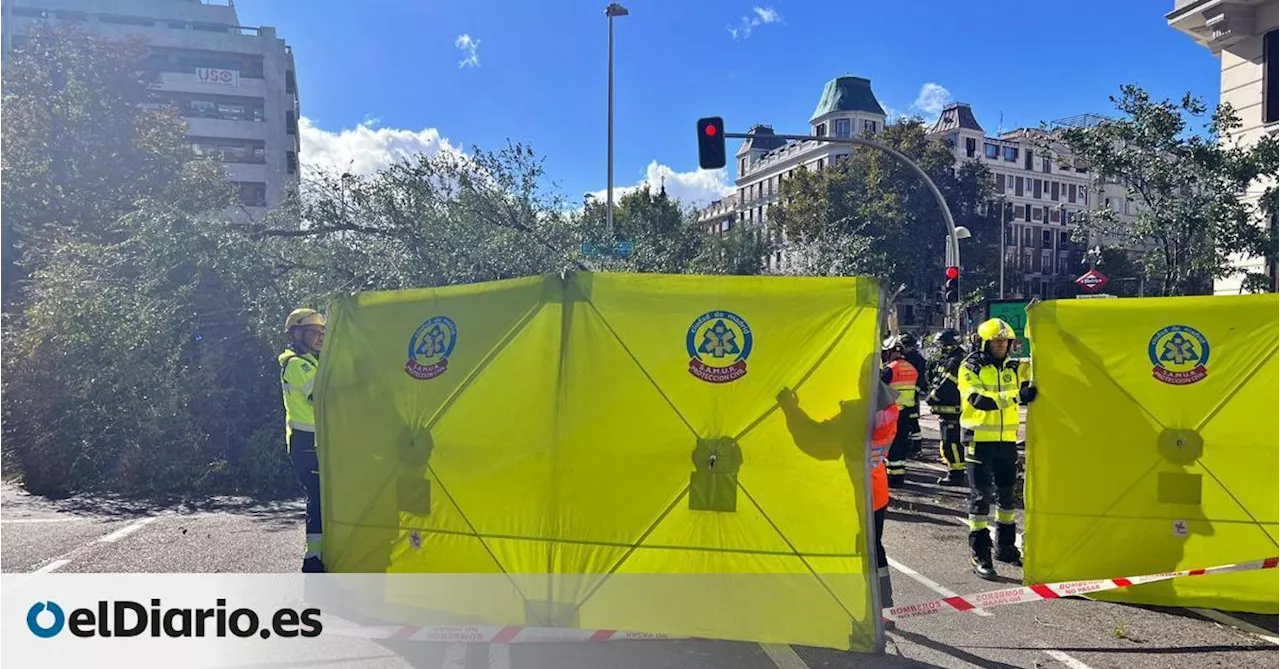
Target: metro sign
1092 280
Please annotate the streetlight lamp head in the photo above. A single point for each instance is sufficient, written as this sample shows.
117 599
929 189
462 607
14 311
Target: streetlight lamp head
963 233
615 9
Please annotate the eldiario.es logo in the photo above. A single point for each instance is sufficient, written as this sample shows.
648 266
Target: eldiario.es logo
124 618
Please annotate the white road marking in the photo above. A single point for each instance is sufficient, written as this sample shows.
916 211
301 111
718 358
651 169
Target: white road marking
1242 625
455 656
499 656
42 520
1067 659
783 656
128 529
52 566
929 583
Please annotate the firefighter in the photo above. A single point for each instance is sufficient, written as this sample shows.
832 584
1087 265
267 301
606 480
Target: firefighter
911 353
899 375
992 387
944 402
298 365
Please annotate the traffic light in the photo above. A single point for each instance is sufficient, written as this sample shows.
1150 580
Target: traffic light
711 143
951 288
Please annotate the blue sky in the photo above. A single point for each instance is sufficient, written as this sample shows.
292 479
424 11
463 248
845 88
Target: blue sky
539 71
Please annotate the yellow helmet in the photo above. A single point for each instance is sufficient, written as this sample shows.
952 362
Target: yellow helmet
302 318
995 329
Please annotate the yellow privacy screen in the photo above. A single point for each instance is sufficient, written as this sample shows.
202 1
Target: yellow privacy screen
1152 446
608 449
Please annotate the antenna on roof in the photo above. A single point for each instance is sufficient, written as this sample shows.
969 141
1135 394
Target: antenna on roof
1000 131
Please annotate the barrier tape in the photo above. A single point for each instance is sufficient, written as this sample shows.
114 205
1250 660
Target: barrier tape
981 600
1043 591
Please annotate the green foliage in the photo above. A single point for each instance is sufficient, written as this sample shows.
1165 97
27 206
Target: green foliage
872 215
1188 187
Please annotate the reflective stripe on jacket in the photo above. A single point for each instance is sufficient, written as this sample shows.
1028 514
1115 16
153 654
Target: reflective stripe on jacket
882 434
902 378
297 384
989 392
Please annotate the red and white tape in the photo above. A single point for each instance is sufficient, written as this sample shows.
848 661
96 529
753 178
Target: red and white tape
981 600
1043 591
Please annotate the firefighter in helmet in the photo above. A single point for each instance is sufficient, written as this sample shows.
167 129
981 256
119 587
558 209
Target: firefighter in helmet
992 387
902 377
944 402
911 353
298 366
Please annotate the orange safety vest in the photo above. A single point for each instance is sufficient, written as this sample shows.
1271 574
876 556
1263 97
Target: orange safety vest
886 428
904 380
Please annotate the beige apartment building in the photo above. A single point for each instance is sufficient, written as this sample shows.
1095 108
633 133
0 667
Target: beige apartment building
1242 35
235 86
1043 194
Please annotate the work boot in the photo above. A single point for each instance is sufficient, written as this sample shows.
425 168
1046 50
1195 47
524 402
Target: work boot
886 588
312 565
1006 548
980 547
953 478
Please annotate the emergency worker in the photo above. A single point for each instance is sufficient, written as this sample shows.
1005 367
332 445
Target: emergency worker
911 353
992 387
902 377
298 366
944 402
844 436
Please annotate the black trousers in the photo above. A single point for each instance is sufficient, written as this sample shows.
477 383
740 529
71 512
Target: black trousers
882 561
992 467
302 451
951 445
896 460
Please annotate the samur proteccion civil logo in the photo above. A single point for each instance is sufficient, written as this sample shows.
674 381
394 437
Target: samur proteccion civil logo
430 348
1179 355
718 344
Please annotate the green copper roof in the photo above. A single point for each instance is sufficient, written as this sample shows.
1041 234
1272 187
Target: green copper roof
847 94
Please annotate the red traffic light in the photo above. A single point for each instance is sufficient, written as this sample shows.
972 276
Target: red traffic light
711 130
953 272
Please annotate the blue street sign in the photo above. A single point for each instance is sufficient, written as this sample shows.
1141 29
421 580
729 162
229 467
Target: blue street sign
620 249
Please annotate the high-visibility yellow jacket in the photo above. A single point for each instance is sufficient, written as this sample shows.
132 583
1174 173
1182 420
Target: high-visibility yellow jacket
297 381
990 392
902 377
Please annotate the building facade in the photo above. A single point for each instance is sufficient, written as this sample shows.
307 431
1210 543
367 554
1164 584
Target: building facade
235 86
1041 195
1242 35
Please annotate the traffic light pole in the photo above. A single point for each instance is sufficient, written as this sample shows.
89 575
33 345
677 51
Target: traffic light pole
953 317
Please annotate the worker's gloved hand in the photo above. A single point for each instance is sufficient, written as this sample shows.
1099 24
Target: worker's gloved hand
1028 394
787 399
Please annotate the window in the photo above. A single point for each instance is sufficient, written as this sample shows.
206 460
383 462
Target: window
1062 263
1053 216
126 20
1270 95
821 163
1026 164
290 82
1039 188
1084 195
1044 164
1011 259
1011 154
291 123
1026 264
869 126
292 160
842 127
1046 261
1009 239
252 194
992 151
1026 237
1071 193
1037 214
1054 192
1046 239
821 130
1017 187
1000 182
970 145
1028 212
1044 289
742 166
724 225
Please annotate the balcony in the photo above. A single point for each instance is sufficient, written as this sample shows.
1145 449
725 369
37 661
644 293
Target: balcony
220 128
1215 24
249 172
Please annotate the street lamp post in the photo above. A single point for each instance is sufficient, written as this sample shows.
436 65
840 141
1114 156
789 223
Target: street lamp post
613 10
1004 250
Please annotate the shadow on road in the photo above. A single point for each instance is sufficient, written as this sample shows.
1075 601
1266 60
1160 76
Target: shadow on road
119 507
906 516
949 650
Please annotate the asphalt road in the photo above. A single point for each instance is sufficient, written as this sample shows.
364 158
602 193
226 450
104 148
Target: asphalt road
925 538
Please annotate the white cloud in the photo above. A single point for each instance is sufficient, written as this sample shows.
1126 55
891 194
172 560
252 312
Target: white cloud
932 99
697 188
469 48
365 149
759 16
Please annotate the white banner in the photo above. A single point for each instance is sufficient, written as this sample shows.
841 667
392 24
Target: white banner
213 75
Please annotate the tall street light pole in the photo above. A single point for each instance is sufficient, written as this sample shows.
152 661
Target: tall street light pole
613 10
1004 249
